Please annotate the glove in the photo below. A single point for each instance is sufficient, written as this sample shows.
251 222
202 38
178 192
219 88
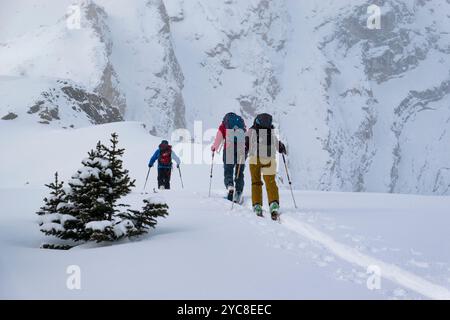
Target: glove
213 149
178 166
282 148
150 166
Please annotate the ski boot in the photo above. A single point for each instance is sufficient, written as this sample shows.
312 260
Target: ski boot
274 211
258 210
230 196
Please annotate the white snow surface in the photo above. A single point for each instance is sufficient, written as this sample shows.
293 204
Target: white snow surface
203 249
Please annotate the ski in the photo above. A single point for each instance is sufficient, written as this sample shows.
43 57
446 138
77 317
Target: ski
238 198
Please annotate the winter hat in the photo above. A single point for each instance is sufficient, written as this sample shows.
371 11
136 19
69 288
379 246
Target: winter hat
164 142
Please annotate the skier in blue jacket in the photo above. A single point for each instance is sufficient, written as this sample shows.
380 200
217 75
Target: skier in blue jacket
164 154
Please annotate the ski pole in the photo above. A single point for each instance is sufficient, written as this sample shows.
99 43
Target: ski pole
146 179
237 177
289 179
181 178
211 174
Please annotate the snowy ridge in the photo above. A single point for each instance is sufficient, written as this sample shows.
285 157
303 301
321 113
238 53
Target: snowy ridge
58 103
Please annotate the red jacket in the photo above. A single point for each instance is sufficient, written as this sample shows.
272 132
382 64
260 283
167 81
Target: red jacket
220 137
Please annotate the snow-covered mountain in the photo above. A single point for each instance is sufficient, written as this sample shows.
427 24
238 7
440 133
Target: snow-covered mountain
360 109
121 51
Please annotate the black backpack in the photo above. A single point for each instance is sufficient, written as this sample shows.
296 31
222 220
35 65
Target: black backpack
263 121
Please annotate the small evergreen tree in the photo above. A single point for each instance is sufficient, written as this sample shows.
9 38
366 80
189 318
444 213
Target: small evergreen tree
143 220
116 183
90 189
49 218
56 197
120 182
54 214
88 209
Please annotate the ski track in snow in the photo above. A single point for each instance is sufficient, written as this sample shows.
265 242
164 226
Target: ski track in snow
388 271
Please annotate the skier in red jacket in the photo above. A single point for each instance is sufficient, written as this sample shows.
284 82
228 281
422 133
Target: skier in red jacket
231 133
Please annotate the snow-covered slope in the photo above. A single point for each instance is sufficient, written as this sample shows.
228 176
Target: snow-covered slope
206 250
121 51
360 109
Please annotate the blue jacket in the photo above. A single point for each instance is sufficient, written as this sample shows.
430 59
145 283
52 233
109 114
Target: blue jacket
160 166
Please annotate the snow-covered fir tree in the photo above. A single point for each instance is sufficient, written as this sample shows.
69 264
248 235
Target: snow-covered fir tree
57 196
89 210
145 219
90 189
53 215
120 183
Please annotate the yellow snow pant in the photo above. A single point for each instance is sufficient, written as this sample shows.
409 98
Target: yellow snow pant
266 167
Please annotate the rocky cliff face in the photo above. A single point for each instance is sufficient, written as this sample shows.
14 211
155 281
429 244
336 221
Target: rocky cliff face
355 105
59 103
122 53
142 59
401 79
360 109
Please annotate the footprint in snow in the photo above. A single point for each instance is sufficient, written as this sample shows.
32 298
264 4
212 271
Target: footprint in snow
375 250
415 253
322 261
419 264
302 245
260 222
399 293
288 246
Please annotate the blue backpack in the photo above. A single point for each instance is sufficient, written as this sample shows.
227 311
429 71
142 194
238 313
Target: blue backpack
233 121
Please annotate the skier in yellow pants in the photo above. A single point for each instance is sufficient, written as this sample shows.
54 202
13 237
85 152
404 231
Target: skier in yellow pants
261 166
262 144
